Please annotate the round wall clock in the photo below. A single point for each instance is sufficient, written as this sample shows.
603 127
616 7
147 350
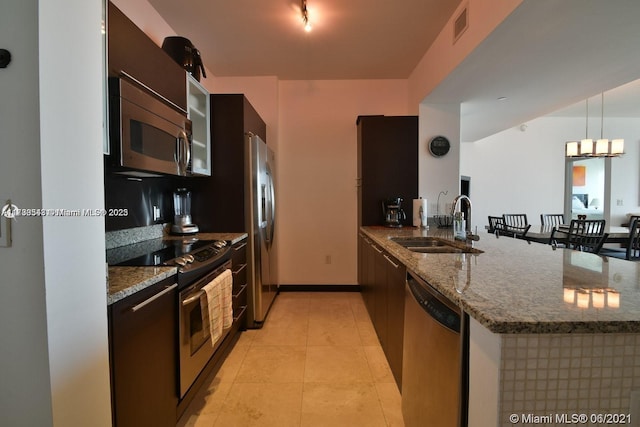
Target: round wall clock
439 146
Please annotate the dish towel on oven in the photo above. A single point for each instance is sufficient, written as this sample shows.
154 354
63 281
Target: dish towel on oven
217 295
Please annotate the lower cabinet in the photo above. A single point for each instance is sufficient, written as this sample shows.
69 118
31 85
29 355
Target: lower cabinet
239 266
382 281
144 360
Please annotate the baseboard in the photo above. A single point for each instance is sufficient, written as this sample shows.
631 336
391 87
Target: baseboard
318 288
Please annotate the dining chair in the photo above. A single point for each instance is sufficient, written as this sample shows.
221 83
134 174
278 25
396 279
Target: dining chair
496 225
550 220
516 225
586 235
632 246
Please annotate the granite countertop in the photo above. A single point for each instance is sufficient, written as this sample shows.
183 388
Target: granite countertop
518 287
125 281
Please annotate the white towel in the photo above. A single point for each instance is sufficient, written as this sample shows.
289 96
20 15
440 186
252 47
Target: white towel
217 300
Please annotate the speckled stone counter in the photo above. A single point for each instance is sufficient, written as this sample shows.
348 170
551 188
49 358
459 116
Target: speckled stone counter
514 287
125 281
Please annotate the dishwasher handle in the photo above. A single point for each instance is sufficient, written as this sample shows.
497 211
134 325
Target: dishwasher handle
434 304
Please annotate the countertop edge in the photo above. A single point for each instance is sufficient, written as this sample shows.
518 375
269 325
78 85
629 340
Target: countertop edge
493 322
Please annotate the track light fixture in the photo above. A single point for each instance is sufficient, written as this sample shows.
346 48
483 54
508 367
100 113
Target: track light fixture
305 16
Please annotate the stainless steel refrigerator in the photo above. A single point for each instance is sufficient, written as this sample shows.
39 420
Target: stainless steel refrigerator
260 214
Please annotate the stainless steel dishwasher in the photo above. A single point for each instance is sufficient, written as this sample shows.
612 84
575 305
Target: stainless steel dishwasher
435 358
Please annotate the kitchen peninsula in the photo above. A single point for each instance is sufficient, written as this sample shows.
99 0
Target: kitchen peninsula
551 331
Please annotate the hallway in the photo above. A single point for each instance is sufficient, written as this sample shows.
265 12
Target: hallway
316 362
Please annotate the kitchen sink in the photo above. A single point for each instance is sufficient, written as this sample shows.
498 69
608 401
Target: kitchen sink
434 245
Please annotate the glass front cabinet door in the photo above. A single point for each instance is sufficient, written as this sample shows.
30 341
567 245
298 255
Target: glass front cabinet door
199 113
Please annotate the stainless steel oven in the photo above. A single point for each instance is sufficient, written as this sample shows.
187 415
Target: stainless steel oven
148 133
194 334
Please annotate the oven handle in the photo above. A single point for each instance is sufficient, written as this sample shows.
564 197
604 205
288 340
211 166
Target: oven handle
153 298
192 298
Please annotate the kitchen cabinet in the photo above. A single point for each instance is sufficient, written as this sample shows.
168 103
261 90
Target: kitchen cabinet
131 51
383 280
220 202
143 356
198 111
387 165
239 269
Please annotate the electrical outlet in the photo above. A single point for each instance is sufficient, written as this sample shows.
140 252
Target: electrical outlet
619 202
327 259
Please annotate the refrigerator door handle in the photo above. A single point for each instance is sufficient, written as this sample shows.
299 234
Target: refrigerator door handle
272 208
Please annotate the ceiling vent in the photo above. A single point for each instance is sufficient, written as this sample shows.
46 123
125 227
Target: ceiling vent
460 24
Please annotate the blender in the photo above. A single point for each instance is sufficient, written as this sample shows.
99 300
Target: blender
182 213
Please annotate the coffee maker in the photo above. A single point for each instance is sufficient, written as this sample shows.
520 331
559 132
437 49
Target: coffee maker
182 213
393 213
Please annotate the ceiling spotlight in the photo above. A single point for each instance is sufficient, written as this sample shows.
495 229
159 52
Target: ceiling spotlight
305 16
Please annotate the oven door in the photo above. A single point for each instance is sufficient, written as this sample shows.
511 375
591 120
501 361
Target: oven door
196 347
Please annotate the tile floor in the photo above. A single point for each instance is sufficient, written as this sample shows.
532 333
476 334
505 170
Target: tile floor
316 362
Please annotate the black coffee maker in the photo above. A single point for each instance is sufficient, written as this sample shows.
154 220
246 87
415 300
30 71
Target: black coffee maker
393 213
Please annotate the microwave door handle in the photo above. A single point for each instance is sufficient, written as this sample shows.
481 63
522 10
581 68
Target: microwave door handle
187 152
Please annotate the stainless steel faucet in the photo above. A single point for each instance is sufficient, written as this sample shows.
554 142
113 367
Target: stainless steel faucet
456 201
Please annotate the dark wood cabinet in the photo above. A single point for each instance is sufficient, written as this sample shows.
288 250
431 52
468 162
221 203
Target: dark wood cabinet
131 51
144 359
396 279
239 266
387 165
383 283
219 200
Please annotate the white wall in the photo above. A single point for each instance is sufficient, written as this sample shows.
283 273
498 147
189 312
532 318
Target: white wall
436 174
25 397
71 141
523 172
317 173
53 319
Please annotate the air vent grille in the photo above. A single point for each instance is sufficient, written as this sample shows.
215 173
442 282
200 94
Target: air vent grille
460 24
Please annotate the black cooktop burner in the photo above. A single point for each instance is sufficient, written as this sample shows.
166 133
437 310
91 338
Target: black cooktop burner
162 252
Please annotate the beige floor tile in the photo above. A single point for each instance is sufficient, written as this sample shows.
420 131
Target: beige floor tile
279 376
378 364
282 332
264 405
336 364
391 402
338 405
273 364
332 331
229 369
367 333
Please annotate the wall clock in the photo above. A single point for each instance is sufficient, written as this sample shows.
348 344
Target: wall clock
439 146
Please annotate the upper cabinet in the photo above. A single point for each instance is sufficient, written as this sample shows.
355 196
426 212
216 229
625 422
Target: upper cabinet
131 51
198 112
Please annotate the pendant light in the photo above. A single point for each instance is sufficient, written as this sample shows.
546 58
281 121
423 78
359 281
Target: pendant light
602 147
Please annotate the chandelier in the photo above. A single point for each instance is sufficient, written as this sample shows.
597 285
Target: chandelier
602 147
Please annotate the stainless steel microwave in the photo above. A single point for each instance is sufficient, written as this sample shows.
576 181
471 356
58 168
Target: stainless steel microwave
149 135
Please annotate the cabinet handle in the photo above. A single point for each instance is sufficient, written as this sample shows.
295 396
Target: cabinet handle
153 298
242 267
239 247
391 262
376 249
242 288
